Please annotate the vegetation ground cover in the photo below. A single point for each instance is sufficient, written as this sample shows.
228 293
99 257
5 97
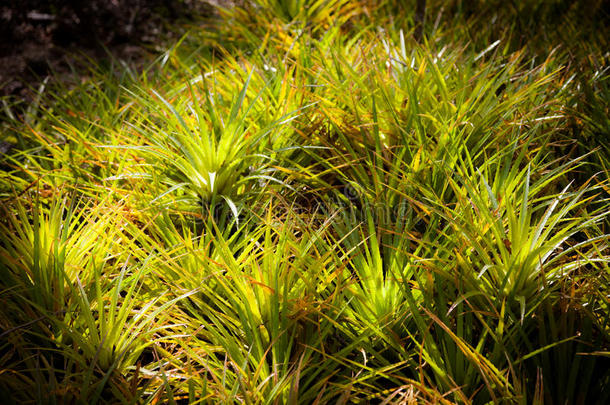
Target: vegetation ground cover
304 202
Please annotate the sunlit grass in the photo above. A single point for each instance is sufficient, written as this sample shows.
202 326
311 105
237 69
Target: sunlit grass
310 206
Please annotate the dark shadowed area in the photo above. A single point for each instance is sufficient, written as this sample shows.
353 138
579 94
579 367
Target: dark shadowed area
39 37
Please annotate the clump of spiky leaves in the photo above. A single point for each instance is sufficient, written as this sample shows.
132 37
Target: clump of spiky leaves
210 142
255 323
73 293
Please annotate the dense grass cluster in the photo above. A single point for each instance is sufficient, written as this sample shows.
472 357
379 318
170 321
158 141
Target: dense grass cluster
300 203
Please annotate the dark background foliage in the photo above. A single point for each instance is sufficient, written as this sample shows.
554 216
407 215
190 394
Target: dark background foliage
35 34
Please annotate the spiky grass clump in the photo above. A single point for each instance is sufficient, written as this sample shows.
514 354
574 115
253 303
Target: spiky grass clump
315 209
